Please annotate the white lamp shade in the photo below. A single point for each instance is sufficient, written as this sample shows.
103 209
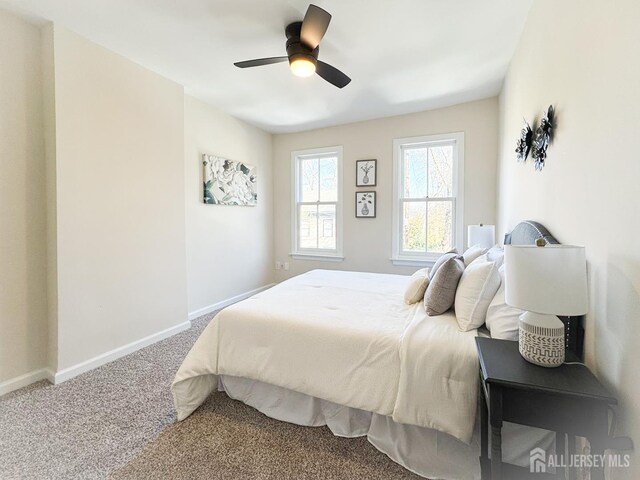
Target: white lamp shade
550 279
483 235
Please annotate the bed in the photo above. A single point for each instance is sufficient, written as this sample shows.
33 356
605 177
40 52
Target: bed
342 349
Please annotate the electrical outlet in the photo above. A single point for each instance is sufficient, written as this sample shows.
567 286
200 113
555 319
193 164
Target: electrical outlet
278 265
286 265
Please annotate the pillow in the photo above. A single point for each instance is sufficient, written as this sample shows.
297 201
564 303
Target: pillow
443 258
441 292
502 319
472 253
496 255
478 285
417 285
484 258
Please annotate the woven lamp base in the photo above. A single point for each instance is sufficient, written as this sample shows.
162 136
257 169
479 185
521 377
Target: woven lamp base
541 339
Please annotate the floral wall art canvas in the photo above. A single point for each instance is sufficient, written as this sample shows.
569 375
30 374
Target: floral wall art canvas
227 182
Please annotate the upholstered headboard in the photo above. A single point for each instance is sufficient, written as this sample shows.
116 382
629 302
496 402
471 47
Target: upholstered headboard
526 233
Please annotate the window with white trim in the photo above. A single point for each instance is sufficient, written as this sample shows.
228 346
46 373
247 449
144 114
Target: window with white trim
428 186
317 203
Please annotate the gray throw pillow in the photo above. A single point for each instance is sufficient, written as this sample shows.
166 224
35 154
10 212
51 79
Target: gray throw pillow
441 292
443 258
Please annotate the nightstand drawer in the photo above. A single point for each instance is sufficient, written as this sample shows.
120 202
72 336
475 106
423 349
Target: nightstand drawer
553 412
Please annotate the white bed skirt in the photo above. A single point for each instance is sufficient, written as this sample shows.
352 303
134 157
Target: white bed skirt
424 451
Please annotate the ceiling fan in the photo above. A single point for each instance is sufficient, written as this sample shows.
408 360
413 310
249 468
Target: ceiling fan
303 40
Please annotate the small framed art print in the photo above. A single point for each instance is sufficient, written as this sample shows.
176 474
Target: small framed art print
366 173
365 204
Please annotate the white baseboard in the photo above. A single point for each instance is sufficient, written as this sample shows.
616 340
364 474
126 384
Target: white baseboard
95 362
227 302
23 380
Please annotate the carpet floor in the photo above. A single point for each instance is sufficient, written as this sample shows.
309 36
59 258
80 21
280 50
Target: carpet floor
118 421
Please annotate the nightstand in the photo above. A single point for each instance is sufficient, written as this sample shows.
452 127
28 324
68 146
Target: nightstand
568 400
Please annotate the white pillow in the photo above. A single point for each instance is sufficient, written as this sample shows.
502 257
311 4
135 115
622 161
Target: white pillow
502 319
418 284
496 255
484 258
478 285
472 253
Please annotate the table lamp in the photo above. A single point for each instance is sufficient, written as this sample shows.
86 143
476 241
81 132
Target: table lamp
483 235
545 281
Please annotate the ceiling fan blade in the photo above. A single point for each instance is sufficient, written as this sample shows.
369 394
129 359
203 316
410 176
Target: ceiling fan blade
314 26
260 61
332 74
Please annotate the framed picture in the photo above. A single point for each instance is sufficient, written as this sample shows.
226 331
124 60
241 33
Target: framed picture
365 204
227 182
366 173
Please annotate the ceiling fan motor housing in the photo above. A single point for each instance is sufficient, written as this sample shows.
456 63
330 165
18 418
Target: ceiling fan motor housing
296 49
303 40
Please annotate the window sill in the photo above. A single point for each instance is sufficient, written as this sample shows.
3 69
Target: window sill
317 256
412 262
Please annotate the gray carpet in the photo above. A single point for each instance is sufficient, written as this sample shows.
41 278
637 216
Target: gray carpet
118 421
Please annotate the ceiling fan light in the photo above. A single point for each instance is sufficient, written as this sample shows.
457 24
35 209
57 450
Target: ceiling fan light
302 66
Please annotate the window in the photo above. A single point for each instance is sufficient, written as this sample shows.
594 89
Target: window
317 204
428 186
327 227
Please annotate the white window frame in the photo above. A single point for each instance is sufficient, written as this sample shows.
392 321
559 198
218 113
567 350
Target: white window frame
335 255
398 257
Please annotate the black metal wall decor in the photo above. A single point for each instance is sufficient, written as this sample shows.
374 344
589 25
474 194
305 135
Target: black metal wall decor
543 137
524 142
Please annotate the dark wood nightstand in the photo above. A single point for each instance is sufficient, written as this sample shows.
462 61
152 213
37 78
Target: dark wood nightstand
568 400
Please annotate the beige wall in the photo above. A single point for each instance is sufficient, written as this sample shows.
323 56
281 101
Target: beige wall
23 305
229 248
119 162
367 242
581 56
95 233
49 124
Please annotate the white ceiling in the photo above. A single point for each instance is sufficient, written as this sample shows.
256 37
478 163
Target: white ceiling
402 55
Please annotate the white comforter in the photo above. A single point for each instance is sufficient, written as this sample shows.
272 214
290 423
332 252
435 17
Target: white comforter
346 337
